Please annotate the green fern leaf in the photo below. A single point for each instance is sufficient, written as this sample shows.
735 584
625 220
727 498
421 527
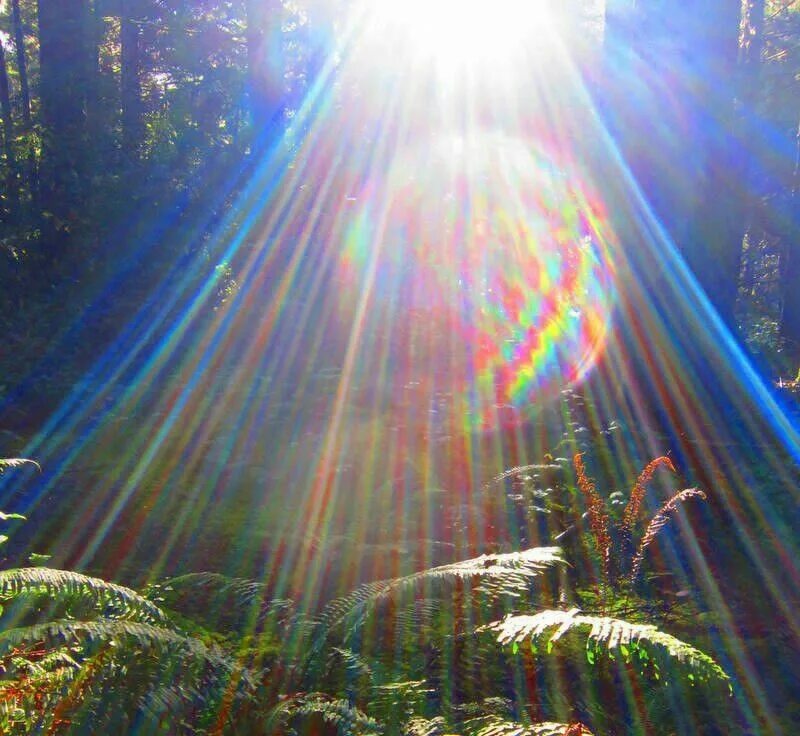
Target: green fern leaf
17 462
65 584
122 632
512 571
496 727
611 632
425 727
336 711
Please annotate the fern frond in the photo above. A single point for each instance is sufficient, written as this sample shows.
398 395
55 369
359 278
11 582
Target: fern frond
65 584
495 727
245 592
514 570
234 596
336 711
658 522
644 640
425 727
354 663
17 462
418 615
144 635
400 695
638 491
519 470
598 518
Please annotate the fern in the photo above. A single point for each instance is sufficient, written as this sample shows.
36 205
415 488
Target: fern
17 462
355 665
598 518
221 600
336 711
61 584
513 571
637 494
628 639
658 522
495 727
144 635
425 727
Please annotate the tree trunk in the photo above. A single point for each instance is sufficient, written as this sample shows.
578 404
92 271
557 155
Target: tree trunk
265 69
790 291
130 80
32 173
673 116
63 84
8 138
714 248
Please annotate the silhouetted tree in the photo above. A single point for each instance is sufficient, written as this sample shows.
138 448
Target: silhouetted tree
64 65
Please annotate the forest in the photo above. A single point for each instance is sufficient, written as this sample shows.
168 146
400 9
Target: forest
400 367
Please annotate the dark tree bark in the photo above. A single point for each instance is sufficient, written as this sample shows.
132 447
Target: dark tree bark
130 79
265 68
790 288
8 138
22 64
64 62
673 115
25 98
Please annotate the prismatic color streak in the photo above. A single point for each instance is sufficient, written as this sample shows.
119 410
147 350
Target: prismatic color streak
499 258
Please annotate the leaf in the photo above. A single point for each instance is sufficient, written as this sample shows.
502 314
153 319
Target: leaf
16 462
509 572
614 633
65 584
494 726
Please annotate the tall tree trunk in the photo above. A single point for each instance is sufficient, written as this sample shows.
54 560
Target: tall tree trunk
130 81
32 174
674 119
790 291
752 46
97 128
265 68
714 250
790 261
63 85
12 171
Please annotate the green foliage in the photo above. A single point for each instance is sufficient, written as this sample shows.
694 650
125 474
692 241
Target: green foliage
492 726
337 711
17 462
643 644
115 600
206 653
504 574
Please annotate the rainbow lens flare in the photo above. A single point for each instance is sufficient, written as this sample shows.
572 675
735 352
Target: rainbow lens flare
499 259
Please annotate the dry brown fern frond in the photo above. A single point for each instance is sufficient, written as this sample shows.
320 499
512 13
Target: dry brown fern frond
598 518
658 522
638 491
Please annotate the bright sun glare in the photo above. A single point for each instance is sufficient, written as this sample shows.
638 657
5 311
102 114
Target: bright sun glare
464 32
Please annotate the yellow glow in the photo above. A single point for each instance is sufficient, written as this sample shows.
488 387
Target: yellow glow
470 33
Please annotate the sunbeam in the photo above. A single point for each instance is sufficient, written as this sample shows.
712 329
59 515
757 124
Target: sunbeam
426 313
